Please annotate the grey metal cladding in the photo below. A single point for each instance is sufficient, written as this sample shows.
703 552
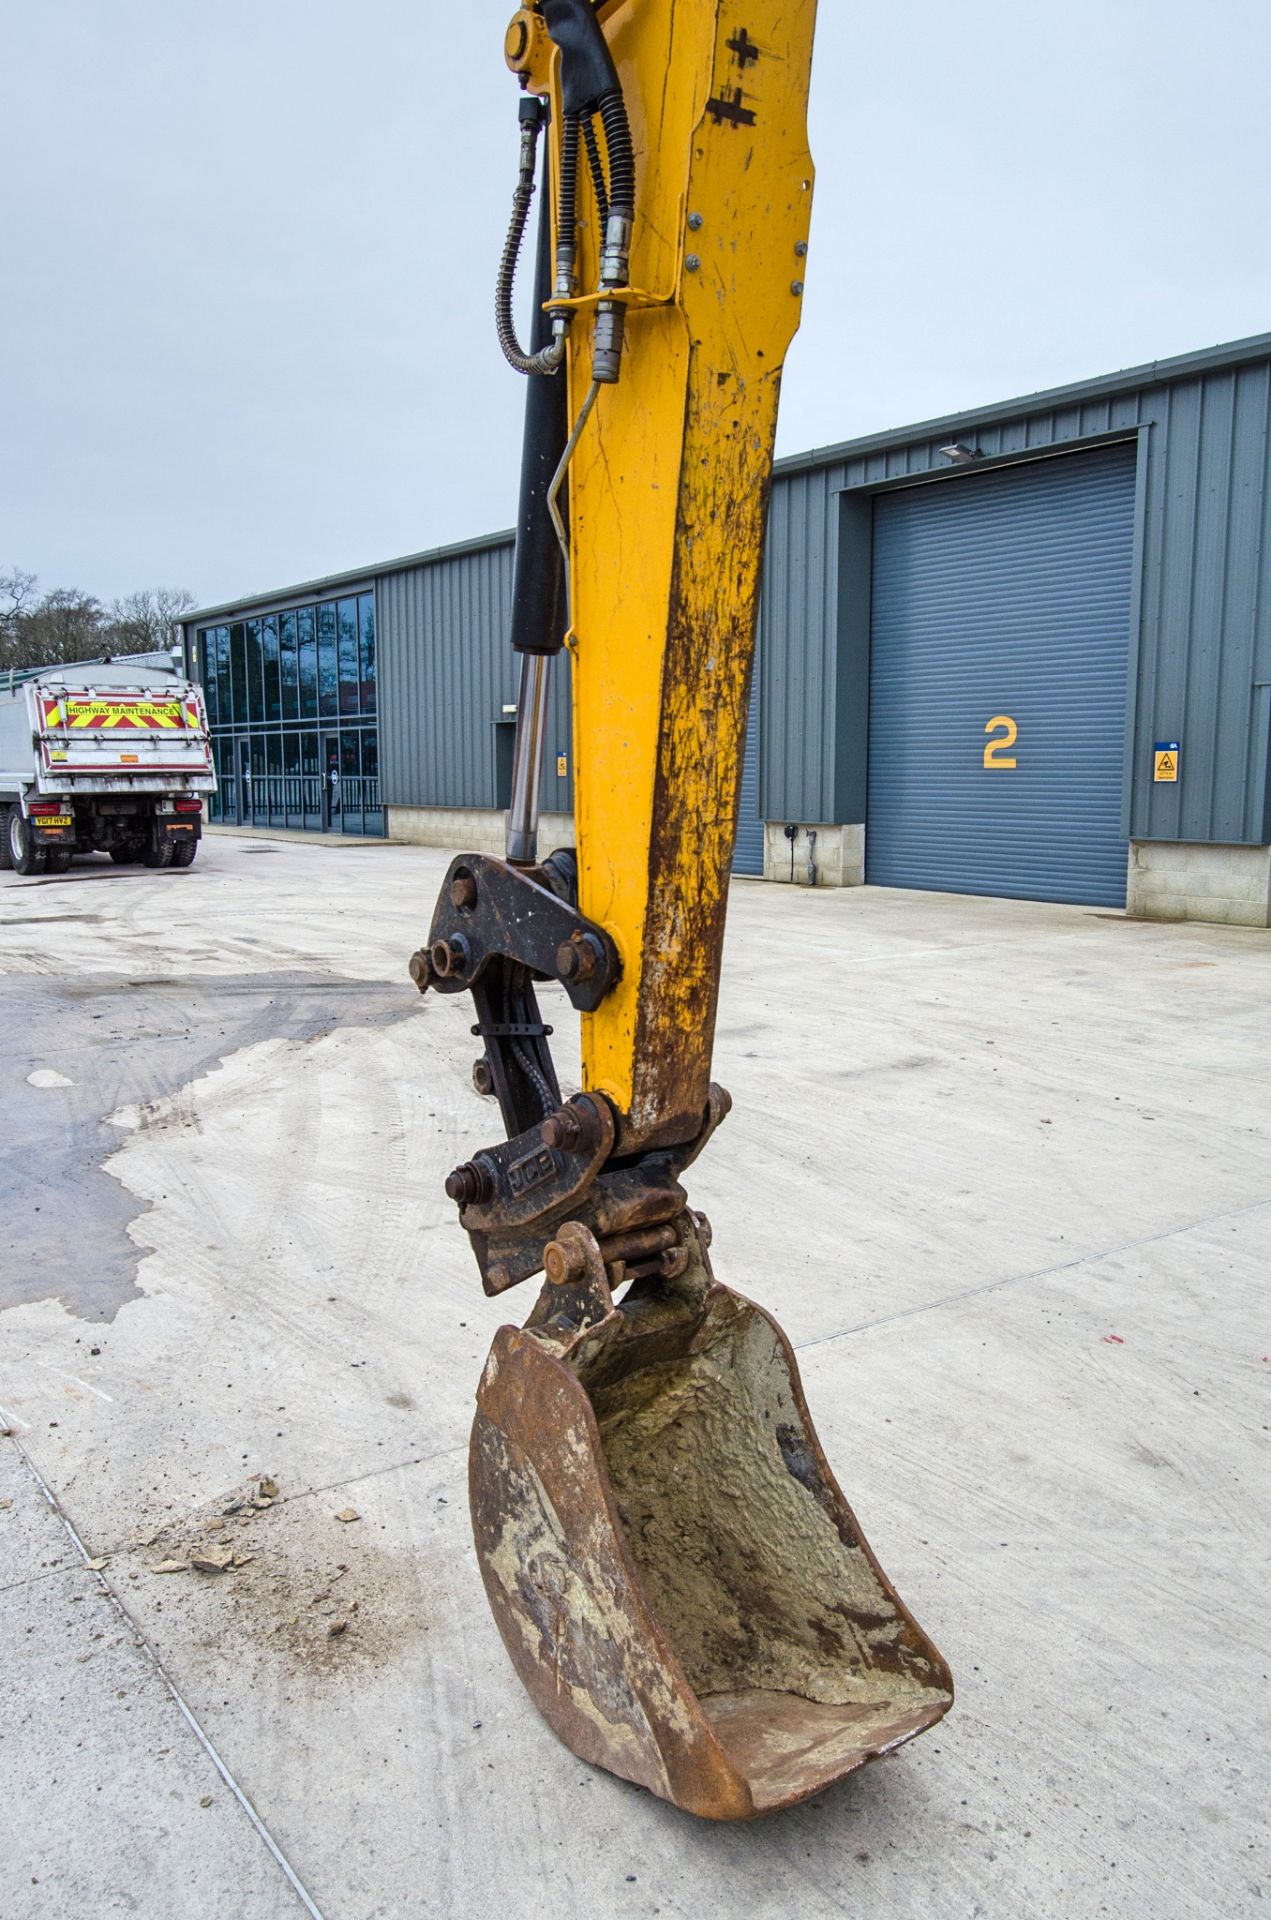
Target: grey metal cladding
1202 608
1203 593
446 675
1205 588
798 653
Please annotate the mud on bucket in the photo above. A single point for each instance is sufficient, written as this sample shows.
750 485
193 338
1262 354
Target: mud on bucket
680 1584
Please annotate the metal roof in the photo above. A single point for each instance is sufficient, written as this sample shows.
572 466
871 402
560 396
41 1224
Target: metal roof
1181 366
353 576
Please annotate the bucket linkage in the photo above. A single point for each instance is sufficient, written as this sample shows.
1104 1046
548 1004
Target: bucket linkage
677 1578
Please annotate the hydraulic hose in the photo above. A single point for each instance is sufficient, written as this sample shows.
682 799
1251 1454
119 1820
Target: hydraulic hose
613 118
548 359
615 252
597 171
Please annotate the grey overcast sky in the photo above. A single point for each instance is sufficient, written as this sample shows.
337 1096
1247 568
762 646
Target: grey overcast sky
249 252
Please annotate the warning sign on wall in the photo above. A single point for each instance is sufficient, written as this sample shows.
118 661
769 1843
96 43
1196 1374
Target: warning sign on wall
1165 760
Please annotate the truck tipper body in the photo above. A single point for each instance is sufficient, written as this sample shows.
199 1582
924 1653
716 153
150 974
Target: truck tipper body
109 756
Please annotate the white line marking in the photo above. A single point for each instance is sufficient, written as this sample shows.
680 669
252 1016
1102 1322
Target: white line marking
86 1384
200 1735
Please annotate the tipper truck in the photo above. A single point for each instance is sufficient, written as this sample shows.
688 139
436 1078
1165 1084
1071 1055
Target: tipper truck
109 756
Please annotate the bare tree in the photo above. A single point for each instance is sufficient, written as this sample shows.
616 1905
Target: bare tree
65 624
146 622
16 590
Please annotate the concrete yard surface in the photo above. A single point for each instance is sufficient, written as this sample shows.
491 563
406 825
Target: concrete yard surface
1000 1169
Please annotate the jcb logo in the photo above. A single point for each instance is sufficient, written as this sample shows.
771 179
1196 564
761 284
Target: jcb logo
523 1175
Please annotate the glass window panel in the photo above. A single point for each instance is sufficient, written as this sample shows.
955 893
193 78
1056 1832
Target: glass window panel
269 651
350 783
307 632
311 779
222 676
328 697
216 801
206 670
255 685
366 627
238 671
346 615
292 792
372 814
289 665
272 799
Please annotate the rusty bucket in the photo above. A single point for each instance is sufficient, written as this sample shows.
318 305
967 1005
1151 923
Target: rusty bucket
677 1578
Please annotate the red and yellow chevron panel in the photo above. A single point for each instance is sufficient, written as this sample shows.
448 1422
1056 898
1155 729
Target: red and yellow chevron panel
78 713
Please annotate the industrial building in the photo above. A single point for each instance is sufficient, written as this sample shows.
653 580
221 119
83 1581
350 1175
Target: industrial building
1022 651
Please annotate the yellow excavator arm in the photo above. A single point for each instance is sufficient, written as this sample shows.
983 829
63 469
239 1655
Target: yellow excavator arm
668 497
676 1575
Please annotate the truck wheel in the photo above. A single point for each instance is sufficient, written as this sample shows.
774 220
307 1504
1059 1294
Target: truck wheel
24 855
6 858
160 856
183 853
57 859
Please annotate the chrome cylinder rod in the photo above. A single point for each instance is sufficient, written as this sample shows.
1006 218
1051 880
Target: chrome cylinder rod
527 759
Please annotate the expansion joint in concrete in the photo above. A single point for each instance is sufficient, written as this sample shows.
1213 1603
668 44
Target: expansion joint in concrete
1039 1273
143 1643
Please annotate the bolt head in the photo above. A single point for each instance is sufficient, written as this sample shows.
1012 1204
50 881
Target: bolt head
562 1130
449 957
463 892
468 1184
691 263
695 222
563 1264
796 287
801 248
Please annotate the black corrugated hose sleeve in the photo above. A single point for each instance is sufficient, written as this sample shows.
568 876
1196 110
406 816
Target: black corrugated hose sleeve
597 171
613 117
568 178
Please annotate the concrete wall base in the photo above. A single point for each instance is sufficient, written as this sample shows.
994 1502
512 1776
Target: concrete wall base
1187 880
839 854
471 829
840 850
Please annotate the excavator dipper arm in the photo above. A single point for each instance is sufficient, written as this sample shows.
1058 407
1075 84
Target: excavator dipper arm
676 1575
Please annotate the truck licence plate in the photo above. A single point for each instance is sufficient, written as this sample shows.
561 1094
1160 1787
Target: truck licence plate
47 820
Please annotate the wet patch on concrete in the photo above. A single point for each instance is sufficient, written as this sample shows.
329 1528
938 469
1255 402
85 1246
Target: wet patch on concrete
64 1228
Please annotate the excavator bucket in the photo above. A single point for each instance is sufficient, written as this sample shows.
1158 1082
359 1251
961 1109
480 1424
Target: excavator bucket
677 1578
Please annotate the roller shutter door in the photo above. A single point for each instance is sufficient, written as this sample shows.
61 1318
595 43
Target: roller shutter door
1000 632
748 849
